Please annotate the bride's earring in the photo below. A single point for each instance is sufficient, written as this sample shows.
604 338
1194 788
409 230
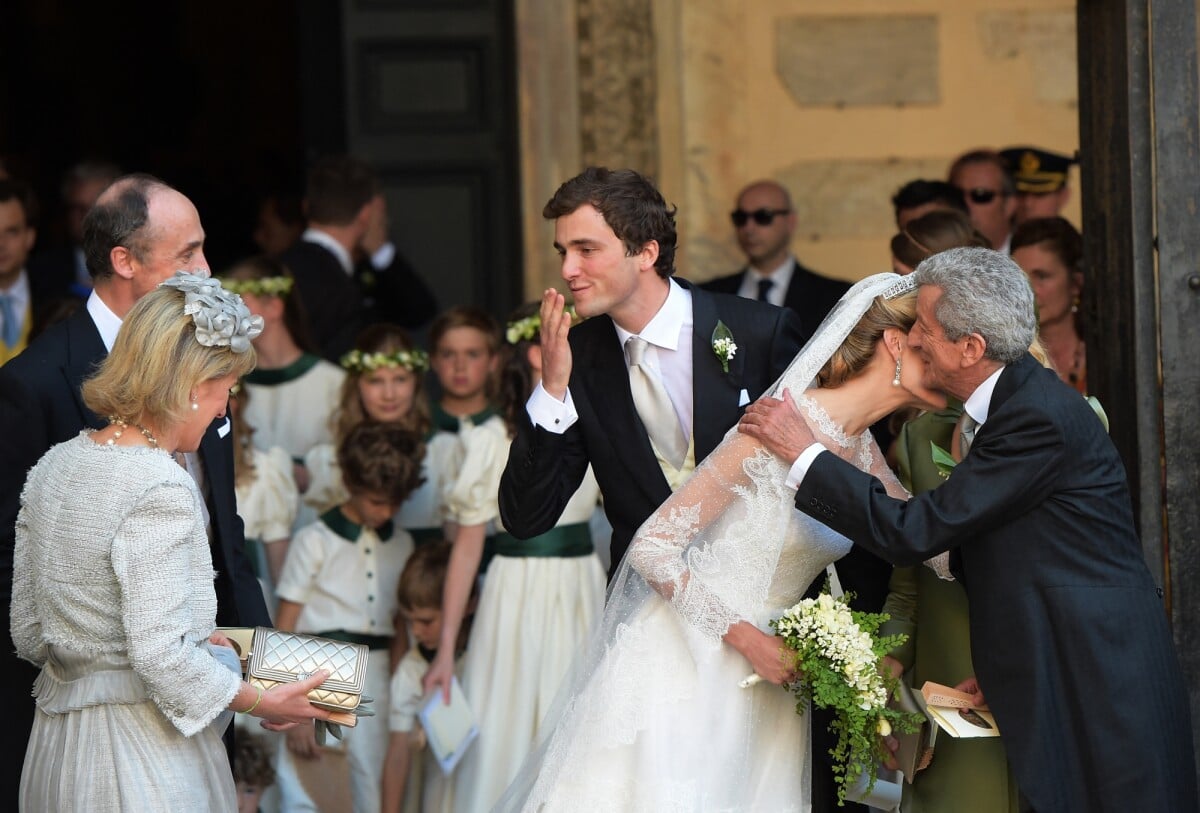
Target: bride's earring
896 380
196 406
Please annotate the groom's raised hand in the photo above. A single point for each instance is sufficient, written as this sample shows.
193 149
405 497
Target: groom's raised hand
556 351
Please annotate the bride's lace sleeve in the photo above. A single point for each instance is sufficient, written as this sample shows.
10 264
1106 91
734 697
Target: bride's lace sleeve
703 549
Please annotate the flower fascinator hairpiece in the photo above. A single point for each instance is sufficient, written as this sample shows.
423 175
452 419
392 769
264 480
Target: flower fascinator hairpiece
220 316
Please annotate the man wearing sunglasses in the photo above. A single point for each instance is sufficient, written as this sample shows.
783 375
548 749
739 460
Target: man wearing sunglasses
984 178
764 221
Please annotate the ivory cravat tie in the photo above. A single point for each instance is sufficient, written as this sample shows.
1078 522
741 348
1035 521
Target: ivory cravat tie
654 405
12 323
966 435
764 289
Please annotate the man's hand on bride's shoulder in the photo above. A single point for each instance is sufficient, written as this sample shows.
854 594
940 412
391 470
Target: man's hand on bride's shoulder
556 351
778 426
769 657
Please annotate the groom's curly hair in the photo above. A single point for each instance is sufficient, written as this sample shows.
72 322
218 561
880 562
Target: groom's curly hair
629 203
859 347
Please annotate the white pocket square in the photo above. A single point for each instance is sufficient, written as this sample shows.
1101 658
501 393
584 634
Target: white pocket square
743 398
223 430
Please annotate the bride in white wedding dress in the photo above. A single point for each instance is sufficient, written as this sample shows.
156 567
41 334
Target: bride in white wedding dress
652 717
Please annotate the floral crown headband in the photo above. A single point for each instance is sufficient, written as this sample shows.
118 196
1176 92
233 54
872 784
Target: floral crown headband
356 361
266 286
221 317
523 330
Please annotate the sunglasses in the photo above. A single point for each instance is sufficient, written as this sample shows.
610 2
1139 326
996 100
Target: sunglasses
982 195
763 217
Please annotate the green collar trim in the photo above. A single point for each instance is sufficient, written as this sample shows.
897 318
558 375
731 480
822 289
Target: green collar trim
446 422
341 525
282 375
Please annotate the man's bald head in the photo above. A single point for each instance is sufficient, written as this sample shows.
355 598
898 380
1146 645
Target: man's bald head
118 218
139 233
765 221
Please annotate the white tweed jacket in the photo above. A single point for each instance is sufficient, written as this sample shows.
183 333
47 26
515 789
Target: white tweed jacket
112 557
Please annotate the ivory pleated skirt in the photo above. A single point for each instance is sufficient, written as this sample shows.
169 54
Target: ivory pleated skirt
99 744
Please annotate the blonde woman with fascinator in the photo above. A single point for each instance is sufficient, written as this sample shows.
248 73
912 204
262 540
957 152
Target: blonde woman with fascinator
652 717
113 578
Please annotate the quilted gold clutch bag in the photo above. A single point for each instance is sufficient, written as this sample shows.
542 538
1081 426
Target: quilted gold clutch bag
285 657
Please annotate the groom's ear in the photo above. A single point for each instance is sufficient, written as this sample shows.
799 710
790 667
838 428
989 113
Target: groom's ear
648 255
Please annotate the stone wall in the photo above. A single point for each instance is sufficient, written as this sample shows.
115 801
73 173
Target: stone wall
841 100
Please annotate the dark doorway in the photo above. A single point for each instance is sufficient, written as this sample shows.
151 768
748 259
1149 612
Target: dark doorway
203 94
227 101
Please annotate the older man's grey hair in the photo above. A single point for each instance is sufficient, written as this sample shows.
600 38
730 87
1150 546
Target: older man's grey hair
984 292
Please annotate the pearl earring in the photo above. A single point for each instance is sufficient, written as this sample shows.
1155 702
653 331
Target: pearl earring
896 380
195 406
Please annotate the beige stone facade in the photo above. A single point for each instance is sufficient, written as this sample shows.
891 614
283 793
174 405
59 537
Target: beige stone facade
840 100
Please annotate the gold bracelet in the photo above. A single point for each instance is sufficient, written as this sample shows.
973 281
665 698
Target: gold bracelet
256 702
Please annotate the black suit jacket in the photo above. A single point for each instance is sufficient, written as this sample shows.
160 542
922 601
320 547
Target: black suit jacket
331 297
40 406
339 305
544 469
1068 633
809 294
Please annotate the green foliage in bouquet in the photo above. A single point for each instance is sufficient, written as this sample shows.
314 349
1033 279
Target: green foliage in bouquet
837 653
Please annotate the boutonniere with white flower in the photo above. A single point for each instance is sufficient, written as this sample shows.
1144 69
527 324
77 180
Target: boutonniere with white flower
723 344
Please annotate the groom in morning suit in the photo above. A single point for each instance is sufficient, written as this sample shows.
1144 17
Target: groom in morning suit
1068 633
138 234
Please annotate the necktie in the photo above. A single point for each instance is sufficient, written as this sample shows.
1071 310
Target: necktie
764 288
654 405
12 325
966 434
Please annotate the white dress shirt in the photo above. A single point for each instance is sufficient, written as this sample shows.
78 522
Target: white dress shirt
669 356
107 323
781 276
335 248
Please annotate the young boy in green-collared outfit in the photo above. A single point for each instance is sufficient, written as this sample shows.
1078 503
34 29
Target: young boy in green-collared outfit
339 581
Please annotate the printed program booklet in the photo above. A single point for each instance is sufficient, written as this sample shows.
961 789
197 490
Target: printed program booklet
450 729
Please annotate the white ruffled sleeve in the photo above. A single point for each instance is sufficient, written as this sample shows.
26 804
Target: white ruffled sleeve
156 556
325 487
472 497
268 505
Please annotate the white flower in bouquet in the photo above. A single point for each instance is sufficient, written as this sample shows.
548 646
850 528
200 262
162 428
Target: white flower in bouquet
837 656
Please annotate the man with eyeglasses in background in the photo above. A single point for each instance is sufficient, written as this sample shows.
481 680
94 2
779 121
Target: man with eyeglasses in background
984 178
764 221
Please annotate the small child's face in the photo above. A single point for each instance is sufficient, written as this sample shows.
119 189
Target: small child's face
371 509
426 625
462 361
248 796
387 393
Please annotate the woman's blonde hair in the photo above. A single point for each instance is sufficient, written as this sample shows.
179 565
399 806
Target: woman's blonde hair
156 362
859 347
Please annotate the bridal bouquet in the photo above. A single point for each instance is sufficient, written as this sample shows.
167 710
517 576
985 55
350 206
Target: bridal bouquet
837 655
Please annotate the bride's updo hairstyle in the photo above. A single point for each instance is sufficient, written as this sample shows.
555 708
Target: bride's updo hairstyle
859 347
156 361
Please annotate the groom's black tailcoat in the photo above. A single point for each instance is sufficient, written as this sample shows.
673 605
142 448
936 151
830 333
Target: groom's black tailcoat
40 406
1068 632
544 469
